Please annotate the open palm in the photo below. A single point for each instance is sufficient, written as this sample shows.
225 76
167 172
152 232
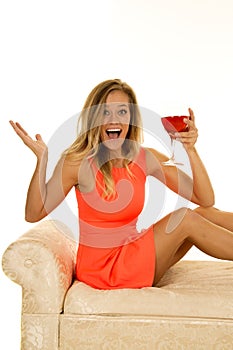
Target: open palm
37 146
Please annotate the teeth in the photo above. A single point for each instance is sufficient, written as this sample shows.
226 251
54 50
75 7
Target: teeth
113 130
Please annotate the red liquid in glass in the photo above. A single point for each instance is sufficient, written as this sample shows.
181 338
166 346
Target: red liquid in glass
175 124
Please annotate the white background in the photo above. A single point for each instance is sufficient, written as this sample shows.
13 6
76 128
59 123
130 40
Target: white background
174 53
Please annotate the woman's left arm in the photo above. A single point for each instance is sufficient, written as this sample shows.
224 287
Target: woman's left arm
203 193
197 189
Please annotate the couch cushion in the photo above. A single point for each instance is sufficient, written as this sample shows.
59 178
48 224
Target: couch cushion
188 289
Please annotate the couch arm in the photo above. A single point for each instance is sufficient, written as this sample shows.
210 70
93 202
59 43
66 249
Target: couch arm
42 262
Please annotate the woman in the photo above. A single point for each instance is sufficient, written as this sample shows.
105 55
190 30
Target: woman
108 168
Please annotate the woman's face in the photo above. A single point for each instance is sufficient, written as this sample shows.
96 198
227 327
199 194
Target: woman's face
116 118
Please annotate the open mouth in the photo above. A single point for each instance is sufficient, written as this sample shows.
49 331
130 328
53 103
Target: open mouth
113 133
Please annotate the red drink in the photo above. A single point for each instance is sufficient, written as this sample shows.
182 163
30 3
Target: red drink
172 125
175 124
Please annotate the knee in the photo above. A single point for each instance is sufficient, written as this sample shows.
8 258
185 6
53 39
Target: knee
187 217
181 218
184 213
192 214
193 219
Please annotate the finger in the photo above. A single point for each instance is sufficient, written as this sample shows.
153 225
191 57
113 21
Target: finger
12 124
18 128
38 137
21 133
186 143
188 134
21 128
189 137
191 126
191 115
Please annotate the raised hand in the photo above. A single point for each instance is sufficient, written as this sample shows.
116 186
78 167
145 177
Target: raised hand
37 146
188 138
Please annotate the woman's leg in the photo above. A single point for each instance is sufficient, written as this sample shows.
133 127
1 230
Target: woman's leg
218 217
177 232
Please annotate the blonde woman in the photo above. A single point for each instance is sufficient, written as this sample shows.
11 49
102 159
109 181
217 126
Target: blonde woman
108 167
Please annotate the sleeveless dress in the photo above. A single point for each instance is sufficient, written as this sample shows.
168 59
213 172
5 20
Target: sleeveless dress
112 253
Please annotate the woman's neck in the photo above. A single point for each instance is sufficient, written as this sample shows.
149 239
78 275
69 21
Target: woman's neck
117 162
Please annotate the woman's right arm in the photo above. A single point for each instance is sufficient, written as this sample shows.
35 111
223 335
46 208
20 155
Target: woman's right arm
42 198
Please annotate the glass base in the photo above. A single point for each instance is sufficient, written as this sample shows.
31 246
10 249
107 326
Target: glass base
171 162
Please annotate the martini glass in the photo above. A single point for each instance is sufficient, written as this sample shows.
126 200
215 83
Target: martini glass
172 125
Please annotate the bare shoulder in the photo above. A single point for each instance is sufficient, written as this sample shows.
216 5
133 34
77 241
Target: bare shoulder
82 173
154 159
68 169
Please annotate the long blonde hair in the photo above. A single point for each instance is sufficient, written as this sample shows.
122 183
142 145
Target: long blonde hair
88 142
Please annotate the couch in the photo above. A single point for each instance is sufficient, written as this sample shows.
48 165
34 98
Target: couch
191 308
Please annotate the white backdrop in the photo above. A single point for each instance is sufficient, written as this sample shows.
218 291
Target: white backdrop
174 53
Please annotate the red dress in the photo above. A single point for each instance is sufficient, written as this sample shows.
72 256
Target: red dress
112 253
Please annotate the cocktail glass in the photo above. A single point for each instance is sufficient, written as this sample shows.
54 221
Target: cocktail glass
172 125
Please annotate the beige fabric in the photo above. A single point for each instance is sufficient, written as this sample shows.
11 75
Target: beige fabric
144 333
42 262
40 332
191 309
191 289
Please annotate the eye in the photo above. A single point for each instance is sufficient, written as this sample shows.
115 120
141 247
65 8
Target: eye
106 112
122 112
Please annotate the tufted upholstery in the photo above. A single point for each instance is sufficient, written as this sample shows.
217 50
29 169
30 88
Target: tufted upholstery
191 308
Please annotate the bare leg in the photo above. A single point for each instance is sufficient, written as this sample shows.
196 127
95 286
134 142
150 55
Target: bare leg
192 229
218 217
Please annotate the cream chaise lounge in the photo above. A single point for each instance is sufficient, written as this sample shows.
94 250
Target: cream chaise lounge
192 308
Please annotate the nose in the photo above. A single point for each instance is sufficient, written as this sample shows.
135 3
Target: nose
113 118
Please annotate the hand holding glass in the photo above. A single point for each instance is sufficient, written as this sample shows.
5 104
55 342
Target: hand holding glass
173 125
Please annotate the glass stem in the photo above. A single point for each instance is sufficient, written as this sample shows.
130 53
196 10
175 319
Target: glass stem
173 148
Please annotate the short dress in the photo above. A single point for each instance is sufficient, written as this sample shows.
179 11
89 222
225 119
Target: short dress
112 253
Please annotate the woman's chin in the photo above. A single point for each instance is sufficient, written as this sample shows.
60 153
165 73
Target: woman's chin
113 144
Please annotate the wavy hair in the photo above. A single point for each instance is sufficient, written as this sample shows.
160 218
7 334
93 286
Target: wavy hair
88 142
